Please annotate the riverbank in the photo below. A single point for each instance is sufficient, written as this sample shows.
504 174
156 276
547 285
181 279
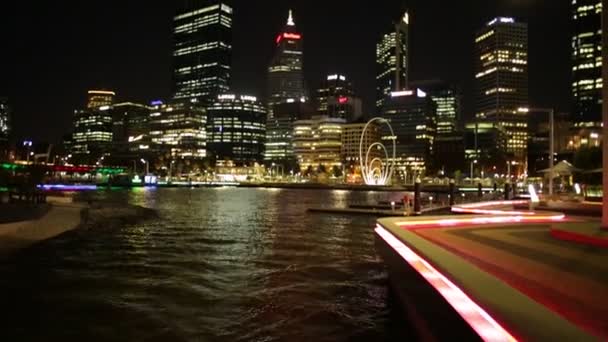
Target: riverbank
61 216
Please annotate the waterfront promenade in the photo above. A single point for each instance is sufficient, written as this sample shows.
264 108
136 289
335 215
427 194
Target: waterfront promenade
503 275
60 218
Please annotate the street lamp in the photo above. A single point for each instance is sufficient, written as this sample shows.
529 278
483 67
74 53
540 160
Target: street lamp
551 113
472 169
147 165
171 170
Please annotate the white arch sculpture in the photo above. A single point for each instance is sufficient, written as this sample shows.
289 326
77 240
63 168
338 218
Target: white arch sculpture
377 171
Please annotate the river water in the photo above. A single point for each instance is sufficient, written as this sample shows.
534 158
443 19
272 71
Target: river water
221 264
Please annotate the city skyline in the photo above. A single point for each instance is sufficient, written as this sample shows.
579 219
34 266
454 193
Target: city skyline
136 63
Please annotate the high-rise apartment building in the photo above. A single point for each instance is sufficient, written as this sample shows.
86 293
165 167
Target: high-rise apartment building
236 129
202 53
392 61
587 72
501 79
336 99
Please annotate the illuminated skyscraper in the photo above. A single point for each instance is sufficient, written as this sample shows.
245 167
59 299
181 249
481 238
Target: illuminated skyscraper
285 74
236 129
286 94
412 114
336 99
5 126
100 98
202 33
93 128
501 79
447 98
131 132
587 72
392 61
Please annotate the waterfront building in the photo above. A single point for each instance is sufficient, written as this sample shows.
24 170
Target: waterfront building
179 131
501 80
202 53
392 61
448 101
317 143
412 114
351 141
586 73
449 153
100 98
5 125
279 131
485 146
336 99
92 134
131 132
236 129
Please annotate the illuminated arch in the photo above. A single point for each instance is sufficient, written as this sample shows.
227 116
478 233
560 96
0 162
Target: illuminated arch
377 171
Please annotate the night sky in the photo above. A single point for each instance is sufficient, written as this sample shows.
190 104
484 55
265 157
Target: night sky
53 51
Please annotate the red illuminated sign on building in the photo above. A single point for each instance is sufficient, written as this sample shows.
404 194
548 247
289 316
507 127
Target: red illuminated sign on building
291 36
343 100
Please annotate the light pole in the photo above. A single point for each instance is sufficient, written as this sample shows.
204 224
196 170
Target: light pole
147 165
605 115
551 113
472 169
171 170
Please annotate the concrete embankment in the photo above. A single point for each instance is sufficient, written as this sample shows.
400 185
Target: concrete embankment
58 220
64 216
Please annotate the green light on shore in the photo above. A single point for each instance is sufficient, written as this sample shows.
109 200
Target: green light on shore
110 171
12 167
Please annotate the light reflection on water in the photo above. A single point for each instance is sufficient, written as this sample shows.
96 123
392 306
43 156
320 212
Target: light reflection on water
219 264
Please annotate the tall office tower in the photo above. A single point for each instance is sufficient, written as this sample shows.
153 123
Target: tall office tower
336 99
412 114
236 129
501 79
392 61
286 94
587 72
178 131
285 74
447 98
100 98
202 34
5 126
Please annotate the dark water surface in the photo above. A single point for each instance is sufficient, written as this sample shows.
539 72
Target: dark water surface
219 264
